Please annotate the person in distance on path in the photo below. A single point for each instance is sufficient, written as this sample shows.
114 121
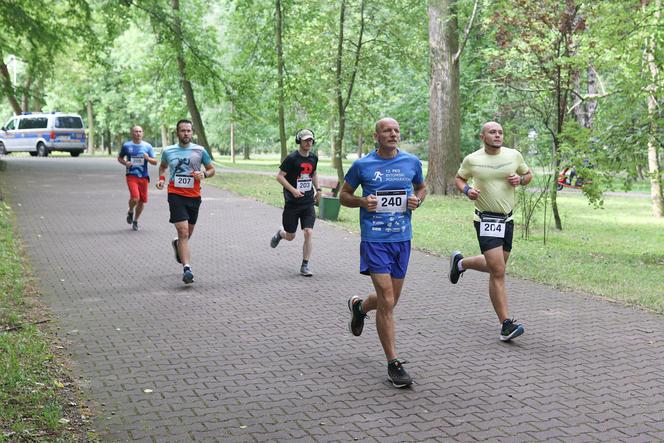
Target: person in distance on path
297 174
135 156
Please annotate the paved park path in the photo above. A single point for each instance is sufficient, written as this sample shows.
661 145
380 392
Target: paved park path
252 351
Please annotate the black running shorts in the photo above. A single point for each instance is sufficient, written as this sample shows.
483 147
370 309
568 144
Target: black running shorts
183 208
306 214
487 243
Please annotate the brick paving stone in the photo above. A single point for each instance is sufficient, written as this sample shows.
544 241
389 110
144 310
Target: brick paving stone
252 343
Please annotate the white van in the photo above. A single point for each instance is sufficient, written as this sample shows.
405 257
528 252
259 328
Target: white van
41 133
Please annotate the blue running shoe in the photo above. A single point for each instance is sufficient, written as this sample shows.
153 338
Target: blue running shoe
187 276
511 329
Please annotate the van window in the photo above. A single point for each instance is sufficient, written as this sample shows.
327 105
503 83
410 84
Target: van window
33 123
69 122
10 125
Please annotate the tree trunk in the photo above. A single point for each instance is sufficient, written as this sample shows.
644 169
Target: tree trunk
26 92
360 145
342 103
246 151
653 161
164 136
186 84
37 96
444 102
108 141
232 136
91 129
8 87
280 80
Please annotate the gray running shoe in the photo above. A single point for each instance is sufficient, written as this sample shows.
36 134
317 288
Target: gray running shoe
187 276
174 243
304 270
356 323
276 238
454 275
398 375
134 225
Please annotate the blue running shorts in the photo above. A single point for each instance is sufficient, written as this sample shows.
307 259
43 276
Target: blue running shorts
385 258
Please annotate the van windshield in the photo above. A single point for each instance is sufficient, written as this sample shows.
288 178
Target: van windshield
33 123
69 122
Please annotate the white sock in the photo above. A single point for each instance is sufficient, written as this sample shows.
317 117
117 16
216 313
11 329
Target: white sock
459 267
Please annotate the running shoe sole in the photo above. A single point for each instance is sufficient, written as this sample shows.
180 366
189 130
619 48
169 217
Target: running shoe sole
449 274
518 331
399 385
350 308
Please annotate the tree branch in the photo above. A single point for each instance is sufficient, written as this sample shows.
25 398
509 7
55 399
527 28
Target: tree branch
466 32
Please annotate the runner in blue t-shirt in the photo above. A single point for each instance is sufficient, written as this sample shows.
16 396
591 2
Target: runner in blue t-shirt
392 187
135 156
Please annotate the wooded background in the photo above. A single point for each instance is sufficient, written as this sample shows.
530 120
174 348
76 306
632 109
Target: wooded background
573 82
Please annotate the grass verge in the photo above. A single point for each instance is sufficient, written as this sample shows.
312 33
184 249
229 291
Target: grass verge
614 252
38 399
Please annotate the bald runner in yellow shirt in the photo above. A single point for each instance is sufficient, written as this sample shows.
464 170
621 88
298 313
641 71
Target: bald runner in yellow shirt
495 171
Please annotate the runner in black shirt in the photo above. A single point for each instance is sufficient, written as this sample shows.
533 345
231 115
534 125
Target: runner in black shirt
297 174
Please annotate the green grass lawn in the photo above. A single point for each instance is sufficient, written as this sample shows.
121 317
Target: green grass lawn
37 396
617 251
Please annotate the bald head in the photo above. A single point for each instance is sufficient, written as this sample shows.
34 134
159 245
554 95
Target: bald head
492 135
387 134
488 125
136 134
385 120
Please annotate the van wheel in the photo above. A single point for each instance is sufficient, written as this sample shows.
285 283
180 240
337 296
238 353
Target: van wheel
41 150
3 150
75 153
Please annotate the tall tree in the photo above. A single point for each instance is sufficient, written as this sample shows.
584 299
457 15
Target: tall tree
654 170
444 95
280 78
342 100
186 83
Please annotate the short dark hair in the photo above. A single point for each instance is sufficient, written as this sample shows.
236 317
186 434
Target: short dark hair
184 120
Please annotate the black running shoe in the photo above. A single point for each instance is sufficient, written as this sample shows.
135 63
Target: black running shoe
130 217
511 329
174 243
454 275
187 276
397 374
356 323
276 238
134 225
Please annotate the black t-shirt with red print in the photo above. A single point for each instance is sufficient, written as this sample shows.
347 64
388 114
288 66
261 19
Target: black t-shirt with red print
299 173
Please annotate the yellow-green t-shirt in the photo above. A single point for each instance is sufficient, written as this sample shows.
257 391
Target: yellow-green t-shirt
489 174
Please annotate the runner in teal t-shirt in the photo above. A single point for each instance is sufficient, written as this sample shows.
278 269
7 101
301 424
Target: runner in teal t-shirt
392 187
